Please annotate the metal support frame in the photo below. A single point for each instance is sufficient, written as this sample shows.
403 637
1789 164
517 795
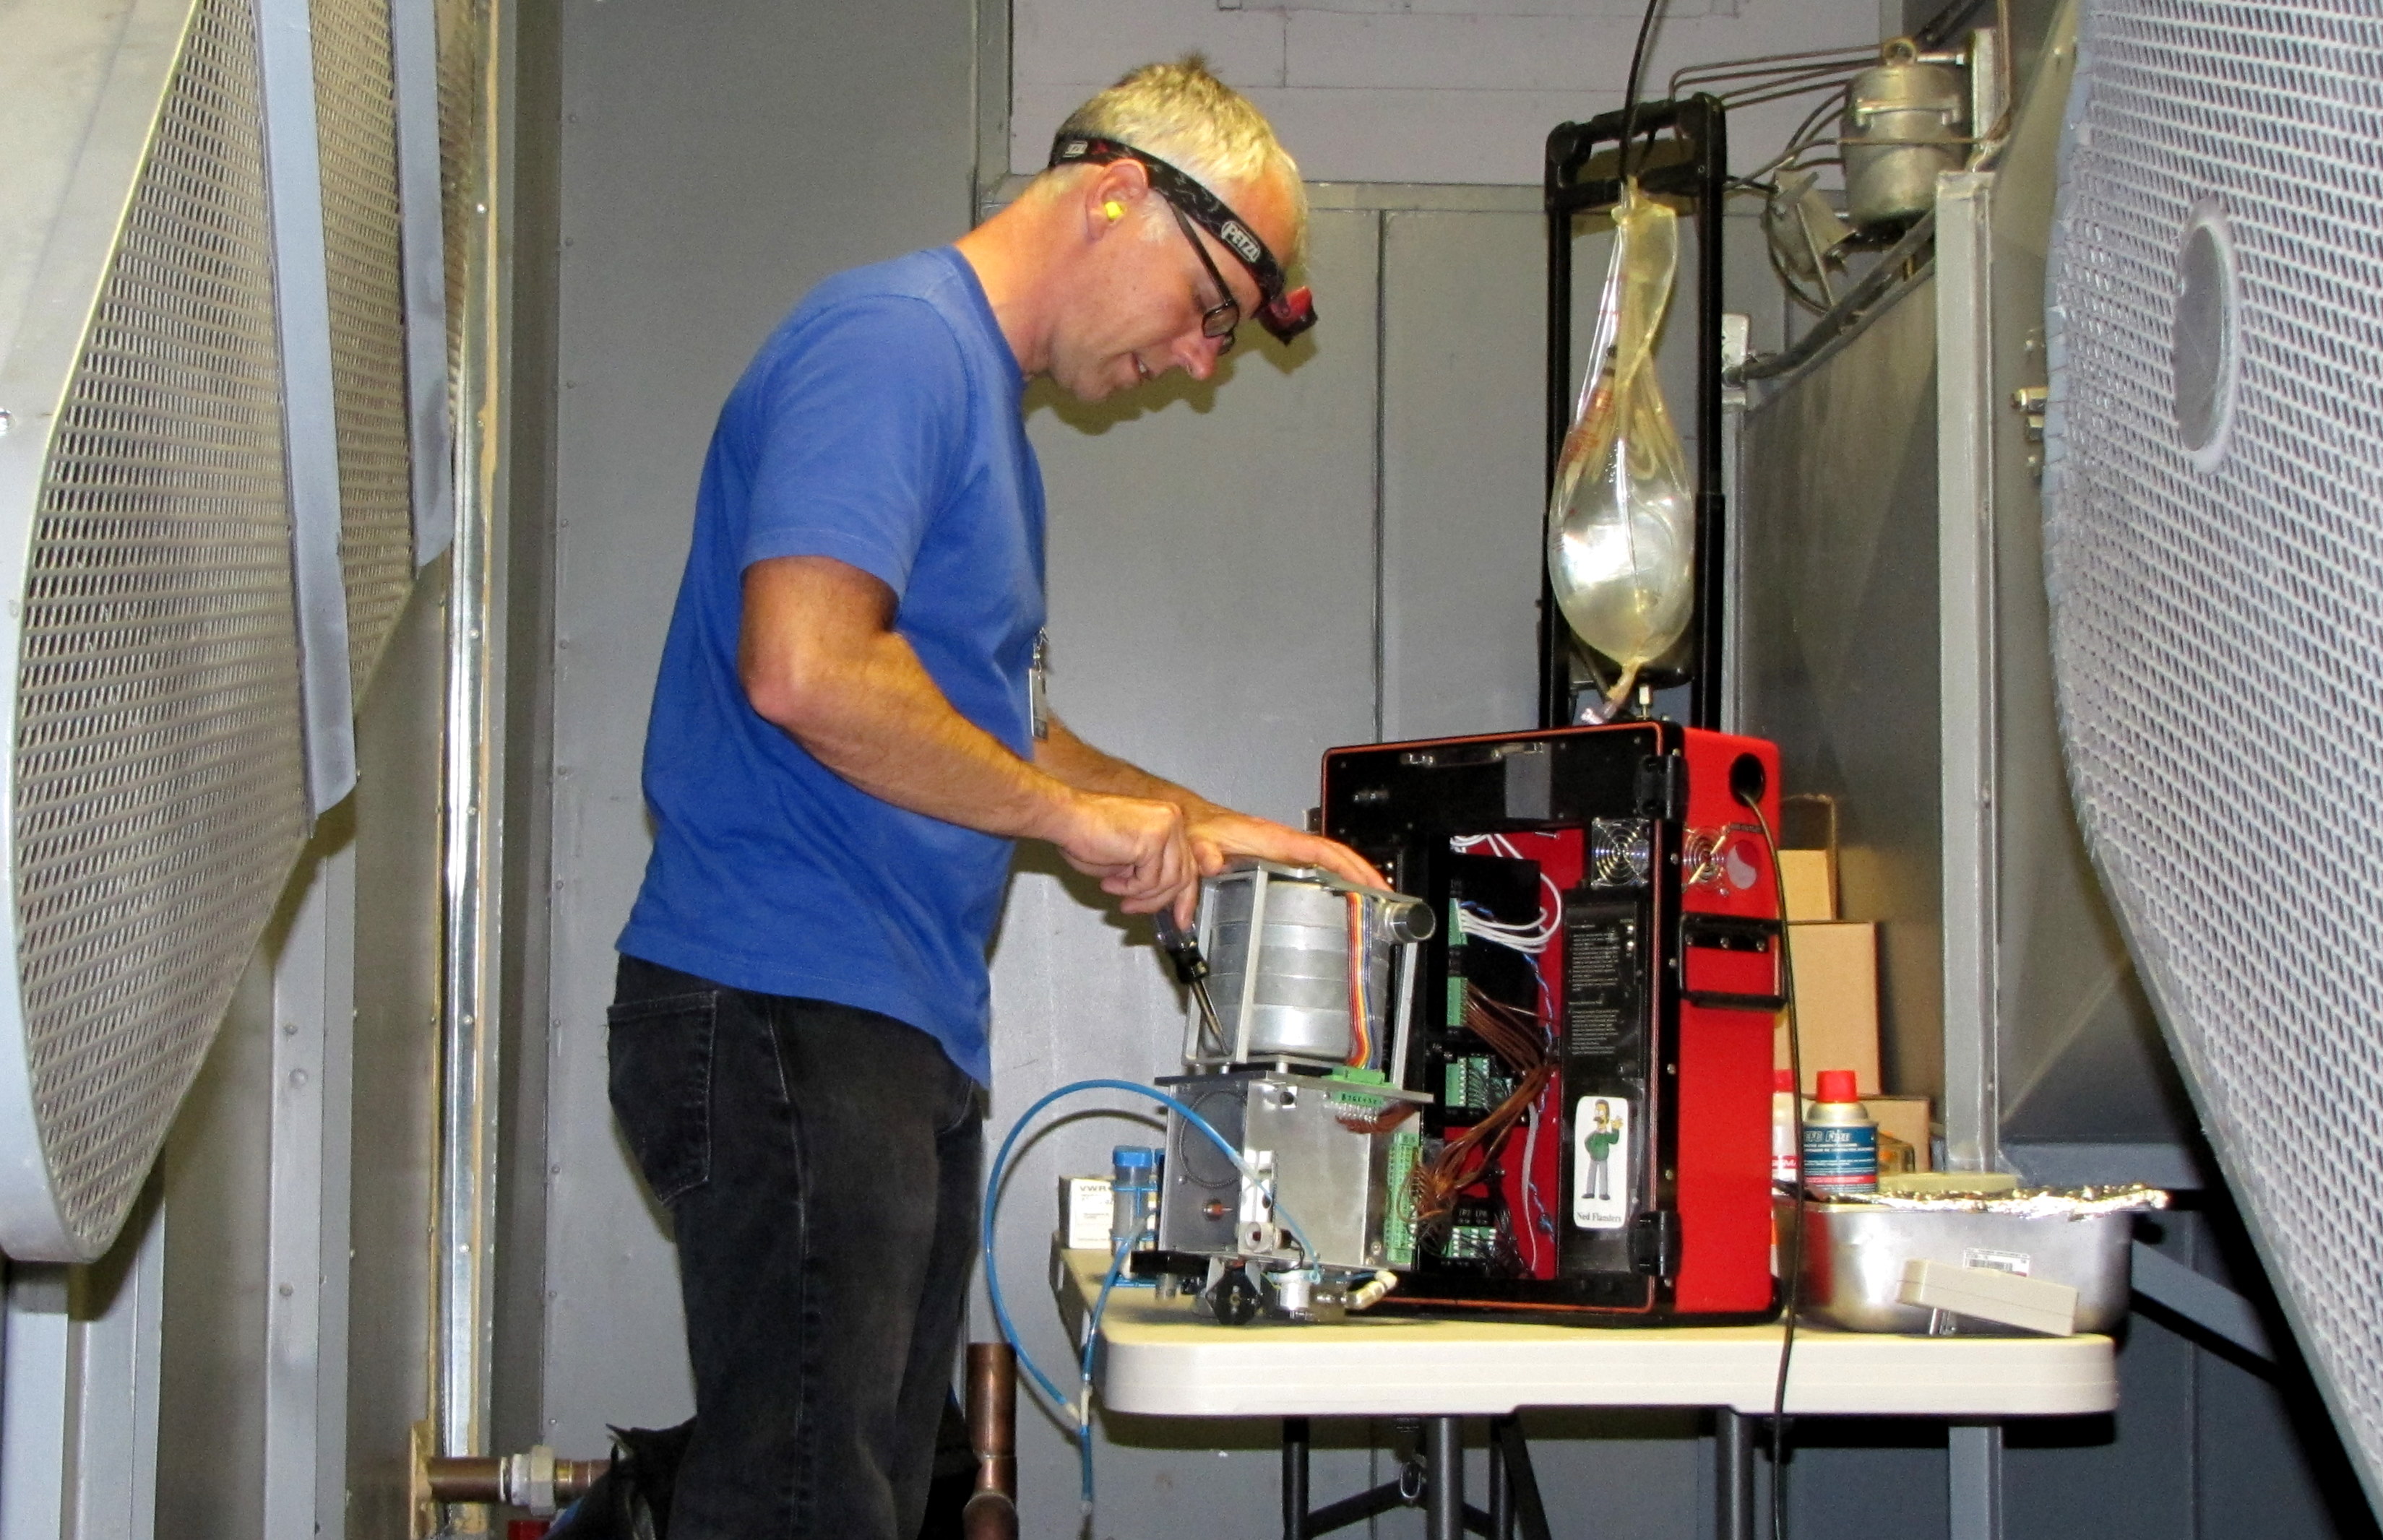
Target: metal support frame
294 174
79 1394
1434 1482
2204 1302
1968 691
1732 1475
1579 179
1974 1480
1967 682
474 803
307 1216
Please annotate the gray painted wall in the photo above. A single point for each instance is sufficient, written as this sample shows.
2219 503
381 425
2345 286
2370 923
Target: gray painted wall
1413 91
715 162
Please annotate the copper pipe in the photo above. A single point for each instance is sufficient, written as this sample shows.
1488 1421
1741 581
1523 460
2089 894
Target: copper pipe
480 1478
991 1512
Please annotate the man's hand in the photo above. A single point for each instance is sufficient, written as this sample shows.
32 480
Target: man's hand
1134 846
1217 834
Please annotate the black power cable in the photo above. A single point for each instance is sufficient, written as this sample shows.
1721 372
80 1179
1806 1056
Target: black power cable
1630 96
1792 1254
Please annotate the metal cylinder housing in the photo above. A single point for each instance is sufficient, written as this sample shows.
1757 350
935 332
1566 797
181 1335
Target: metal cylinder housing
1903 125
1300 1007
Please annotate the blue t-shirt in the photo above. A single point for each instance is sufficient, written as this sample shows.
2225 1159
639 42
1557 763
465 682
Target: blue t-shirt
881 425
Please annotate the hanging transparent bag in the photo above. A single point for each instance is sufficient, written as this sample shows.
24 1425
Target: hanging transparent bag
1622 522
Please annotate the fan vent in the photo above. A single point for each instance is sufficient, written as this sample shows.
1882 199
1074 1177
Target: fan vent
158 796
356 124
2214 551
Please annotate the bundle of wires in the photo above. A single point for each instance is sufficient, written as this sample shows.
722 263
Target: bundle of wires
1519 1042
1475 924
1360 1037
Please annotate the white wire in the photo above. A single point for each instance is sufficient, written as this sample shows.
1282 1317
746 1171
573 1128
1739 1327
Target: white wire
1531 938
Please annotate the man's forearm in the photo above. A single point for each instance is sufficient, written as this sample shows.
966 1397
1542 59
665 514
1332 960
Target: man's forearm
1069 759
889 730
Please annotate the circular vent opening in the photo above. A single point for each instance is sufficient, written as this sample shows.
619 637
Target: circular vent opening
2202 350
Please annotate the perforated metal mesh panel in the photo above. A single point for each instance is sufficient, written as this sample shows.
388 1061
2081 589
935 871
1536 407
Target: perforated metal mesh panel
356 123
158 796
2214 550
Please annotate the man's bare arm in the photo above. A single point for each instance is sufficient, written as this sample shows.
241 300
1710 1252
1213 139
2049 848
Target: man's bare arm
819 657
1216 833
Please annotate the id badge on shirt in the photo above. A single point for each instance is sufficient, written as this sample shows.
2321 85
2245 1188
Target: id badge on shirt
1038 686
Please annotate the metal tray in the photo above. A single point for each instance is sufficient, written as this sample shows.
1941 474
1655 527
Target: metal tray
1854 1257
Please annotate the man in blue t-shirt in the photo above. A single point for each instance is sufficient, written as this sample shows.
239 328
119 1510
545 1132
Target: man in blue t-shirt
847 734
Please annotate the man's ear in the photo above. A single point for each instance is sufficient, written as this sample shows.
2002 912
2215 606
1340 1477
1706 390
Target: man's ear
1111 196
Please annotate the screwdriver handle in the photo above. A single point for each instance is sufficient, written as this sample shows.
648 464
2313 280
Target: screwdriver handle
1181 949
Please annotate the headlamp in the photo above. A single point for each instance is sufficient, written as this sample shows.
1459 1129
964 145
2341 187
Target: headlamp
1285 313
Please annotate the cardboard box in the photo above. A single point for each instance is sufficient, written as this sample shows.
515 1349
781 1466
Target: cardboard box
1905 1117
1808 879
1837 1001
1085 1213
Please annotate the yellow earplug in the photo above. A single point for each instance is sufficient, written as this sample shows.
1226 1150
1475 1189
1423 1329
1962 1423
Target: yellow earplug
1115 210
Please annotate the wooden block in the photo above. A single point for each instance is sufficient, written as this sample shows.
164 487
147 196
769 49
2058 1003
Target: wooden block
1837 1001
1810 880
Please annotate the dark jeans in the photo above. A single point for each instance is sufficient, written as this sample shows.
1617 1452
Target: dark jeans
822 1166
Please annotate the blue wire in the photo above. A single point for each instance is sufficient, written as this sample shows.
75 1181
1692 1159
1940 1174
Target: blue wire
993 1192
1092 1340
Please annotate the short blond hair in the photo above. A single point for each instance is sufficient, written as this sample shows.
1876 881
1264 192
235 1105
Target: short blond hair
1185 116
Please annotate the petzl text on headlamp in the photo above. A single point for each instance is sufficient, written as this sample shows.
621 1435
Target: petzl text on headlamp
1285 313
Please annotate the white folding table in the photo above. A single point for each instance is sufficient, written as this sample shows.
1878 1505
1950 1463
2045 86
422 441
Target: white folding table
1159 1358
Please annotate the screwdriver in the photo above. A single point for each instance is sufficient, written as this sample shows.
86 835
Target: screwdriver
1191 969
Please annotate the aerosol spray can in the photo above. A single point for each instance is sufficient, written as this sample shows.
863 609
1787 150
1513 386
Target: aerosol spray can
1840 1139
1133 1196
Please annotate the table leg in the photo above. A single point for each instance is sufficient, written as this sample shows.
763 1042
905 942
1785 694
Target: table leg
1444 1476
1973 1461
1501 1496
1294 1478
1733 1474
1510 1453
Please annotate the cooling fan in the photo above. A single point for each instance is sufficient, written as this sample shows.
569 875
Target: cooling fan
2214 547
221 451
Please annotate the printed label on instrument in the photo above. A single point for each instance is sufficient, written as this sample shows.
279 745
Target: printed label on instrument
1601 1179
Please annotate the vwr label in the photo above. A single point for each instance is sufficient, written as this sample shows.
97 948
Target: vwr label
1840 1157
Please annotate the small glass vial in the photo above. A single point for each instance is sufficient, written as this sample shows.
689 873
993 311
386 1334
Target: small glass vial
1133 1197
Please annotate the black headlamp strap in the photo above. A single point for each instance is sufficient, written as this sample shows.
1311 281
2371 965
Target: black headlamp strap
1285 315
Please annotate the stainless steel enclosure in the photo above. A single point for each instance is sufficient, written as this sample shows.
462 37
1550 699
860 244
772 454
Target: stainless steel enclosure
1894 642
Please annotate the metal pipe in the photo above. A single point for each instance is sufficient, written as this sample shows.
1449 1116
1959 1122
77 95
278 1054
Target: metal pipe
991 1510
483 1479
1733 1472
1294 1478
1710 125
1444 1478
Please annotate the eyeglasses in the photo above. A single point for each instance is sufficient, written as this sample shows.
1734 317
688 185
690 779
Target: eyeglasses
1286 314
1218 320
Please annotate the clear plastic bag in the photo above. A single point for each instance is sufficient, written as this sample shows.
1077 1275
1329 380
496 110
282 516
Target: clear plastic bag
1622 522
